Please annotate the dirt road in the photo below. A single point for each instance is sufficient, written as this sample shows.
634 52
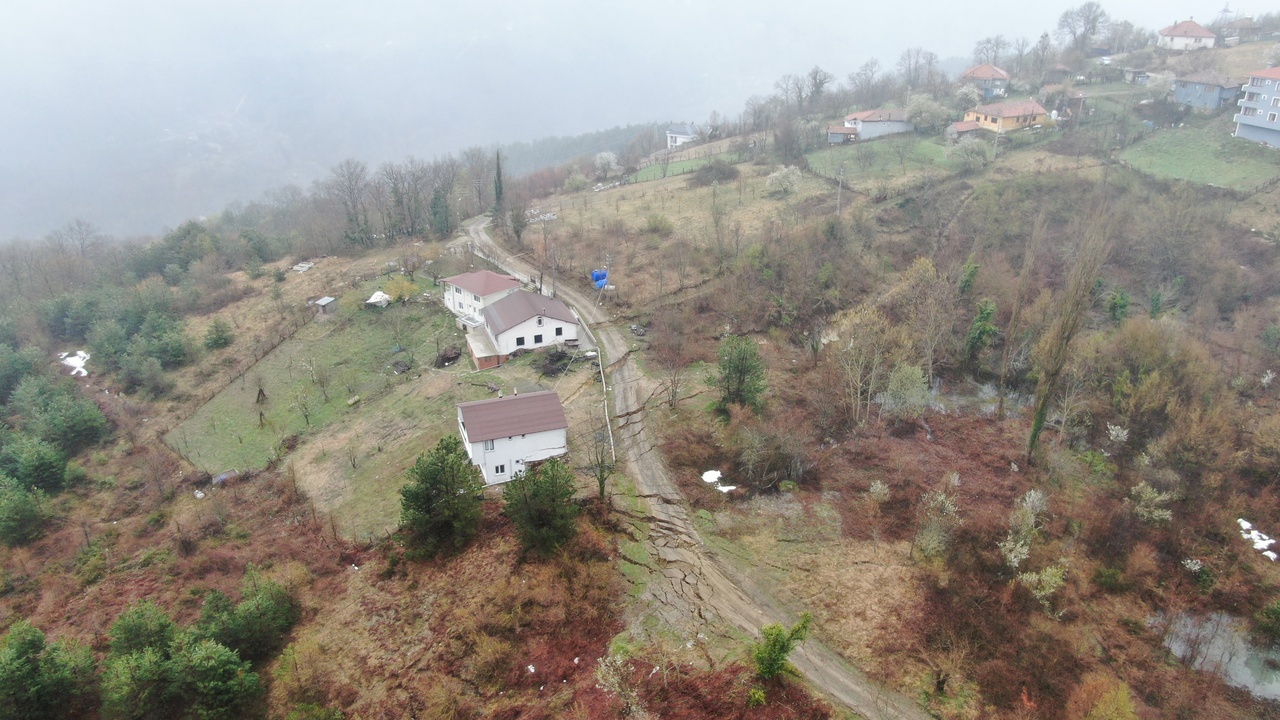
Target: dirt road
692 589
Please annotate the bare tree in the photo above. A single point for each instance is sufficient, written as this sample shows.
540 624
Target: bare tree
816 82
1053 350
349 185
1020 48
791 88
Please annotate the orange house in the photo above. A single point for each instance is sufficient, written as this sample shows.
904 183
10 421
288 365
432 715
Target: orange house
1006 116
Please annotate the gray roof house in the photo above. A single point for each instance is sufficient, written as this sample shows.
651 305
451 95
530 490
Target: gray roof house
681 133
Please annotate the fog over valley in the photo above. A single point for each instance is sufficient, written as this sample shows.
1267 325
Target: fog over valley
136 115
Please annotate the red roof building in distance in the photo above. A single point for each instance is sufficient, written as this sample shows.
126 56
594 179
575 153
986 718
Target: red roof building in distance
512 416
1186 35
985 71
483 282
880 115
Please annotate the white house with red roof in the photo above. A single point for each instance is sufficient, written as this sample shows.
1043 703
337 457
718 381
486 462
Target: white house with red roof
1186 35
991 80
869 124
505 435
468 294
1259 116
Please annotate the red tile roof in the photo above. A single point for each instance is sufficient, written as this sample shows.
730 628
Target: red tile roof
519 306
513 415
483 282
1187 28
1013 108
965 126
1269 73
841 130
879 115
985 71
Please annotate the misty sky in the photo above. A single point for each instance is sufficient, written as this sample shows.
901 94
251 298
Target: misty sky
137 114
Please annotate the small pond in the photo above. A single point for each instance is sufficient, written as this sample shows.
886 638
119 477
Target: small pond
1219 643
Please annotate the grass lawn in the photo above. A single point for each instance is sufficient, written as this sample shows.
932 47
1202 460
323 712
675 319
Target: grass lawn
349 352
680 167
1204 152
878 159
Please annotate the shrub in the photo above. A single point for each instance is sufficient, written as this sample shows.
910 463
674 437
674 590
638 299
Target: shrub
440 506
776 643
659 225
219 335
143 625
717 171
1267 622
39 680
21 514
539 502
34 463
255 627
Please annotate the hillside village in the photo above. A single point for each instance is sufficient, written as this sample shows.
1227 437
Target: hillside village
902 396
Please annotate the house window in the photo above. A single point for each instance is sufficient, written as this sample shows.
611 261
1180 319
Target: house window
1249 111
1271 117
1252 97
1275 101
488 445
476 298
539 322
499 469
538 338
1181 84
520 341
1255 82
559 331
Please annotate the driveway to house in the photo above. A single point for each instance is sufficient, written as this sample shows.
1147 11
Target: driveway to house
691 589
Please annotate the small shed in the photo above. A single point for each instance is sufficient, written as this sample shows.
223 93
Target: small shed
327 305
957 130
839 135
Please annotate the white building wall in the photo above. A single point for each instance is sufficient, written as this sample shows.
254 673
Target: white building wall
529 330
1185 43
509 456
469 305
869 130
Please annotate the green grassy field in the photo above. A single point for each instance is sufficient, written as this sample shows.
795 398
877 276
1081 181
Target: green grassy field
1204 152
680 167
878 159
341 356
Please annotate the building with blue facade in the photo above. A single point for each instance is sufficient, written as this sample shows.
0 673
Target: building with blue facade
1259 116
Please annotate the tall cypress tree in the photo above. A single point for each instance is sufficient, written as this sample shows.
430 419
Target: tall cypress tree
497 186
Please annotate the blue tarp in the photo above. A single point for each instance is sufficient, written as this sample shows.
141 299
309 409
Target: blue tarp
600 277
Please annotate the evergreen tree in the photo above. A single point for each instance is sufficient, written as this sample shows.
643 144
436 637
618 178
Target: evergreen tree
39 680
740 373
441 218
497 187
440 507
540 503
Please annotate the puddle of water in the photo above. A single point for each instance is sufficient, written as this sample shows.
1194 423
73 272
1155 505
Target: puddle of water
1219 643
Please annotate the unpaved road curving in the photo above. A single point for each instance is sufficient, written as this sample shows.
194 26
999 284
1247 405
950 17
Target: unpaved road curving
692 589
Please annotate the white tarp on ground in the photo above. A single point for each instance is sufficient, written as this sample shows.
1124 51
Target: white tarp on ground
379 298
76 361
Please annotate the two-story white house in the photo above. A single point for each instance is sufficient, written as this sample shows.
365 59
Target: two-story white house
504 435
1186 35
468 294
524 320
1259 116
